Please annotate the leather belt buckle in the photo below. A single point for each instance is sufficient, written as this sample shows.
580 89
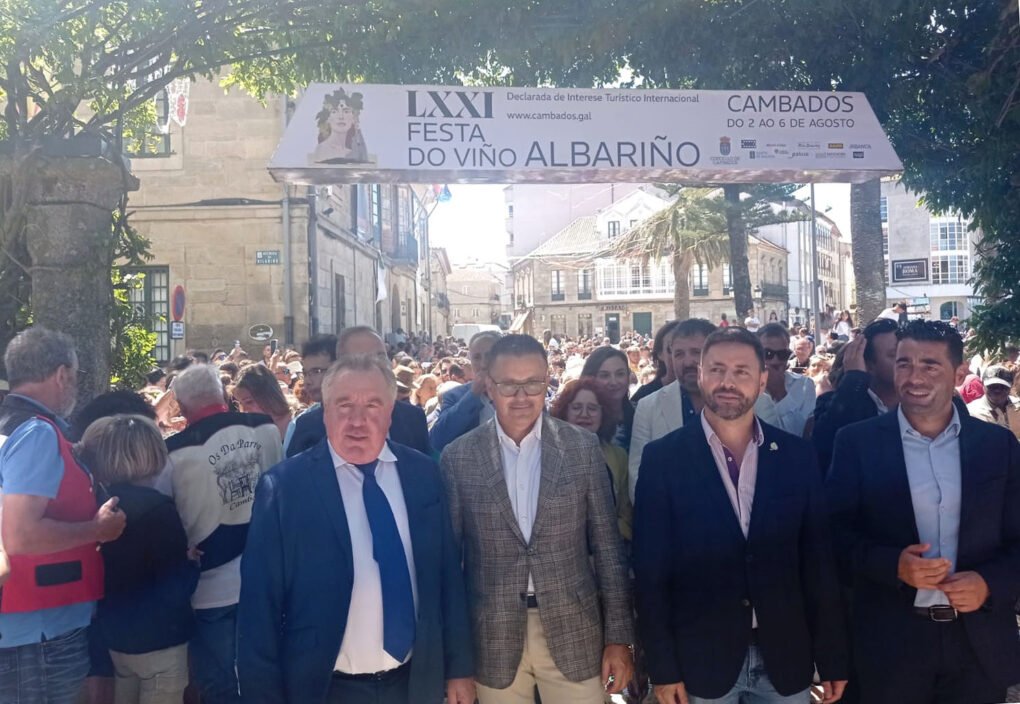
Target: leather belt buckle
942 614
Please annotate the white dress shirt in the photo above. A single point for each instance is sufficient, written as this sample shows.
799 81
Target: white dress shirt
522 467
742 495
791 413
361 651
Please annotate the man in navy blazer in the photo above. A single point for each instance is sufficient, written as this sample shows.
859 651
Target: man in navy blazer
465 407
408 426
352 589
737 593
925 507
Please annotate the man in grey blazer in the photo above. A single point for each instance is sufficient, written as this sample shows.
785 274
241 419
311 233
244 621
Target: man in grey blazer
531 504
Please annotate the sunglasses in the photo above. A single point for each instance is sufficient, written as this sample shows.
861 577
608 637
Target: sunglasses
780 354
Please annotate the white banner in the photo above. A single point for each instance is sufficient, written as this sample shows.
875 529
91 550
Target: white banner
429 134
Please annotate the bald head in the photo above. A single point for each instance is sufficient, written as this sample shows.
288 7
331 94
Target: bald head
360 340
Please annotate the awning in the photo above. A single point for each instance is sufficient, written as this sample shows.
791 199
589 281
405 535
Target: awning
519 321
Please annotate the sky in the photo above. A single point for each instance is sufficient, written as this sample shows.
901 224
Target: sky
471 224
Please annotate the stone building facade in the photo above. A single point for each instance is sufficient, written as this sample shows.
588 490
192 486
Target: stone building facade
474 294
439 263
252 252
561 287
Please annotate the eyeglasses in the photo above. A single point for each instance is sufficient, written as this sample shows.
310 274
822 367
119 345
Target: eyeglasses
530 388
315 371
780 354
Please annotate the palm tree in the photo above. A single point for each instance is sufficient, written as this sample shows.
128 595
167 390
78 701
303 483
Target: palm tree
868 260
691 230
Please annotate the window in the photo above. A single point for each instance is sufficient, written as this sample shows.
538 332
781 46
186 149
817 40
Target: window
885 241
376 209
948 236
558 325
632 224
948 310
153 142
621 277
727 279
475 314
339 303
883 209
464 289
584 285
556 286
584 325
699 280
510 210
950 269
614 228
151 301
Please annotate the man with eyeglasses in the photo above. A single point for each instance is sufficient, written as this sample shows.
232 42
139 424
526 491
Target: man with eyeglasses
532 507
789 398
317 354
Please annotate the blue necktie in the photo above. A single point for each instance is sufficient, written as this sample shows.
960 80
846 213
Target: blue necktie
388 551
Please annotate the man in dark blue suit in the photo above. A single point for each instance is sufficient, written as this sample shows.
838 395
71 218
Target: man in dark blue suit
925 509
737 594
408 426
352 590
465 407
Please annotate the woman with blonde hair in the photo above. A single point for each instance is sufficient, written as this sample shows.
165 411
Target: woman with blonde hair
145 619
258 391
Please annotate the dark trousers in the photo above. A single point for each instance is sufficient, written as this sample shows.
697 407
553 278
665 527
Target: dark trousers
939 667
388 688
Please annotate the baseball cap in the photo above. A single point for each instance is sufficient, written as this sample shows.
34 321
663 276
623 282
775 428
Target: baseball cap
997 375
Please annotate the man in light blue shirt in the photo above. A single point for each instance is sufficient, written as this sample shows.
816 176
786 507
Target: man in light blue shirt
43 646
925 514
933 472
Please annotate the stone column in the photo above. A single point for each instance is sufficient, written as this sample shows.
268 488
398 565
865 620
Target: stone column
70 242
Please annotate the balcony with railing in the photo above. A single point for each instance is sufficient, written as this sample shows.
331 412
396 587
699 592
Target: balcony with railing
776 291
406 251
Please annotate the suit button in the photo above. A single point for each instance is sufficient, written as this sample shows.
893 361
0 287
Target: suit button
531 551
745 602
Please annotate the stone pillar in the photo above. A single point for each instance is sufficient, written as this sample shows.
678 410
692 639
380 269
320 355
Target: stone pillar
70 243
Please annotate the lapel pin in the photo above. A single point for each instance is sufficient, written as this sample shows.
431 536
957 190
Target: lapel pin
773 447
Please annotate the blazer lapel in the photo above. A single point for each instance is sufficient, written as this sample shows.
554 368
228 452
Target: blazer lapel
415 503
893 477
671 407
552 466
704 462
495 478
768 481
328 491
971 474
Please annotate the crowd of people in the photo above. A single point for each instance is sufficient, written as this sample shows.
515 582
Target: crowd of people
714 514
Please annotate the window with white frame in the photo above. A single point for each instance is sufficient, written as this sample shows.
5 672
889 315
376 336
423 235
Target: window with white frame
621 278
948 235
727 279
613 228
950 268
883 208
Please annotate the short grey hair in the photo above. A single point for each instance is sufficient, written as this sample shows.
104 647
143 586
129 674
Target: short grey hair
198 385
485 335
361 363
347 333
35 354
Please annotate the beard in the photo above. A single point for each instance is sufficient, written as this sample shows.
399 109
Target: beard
729 410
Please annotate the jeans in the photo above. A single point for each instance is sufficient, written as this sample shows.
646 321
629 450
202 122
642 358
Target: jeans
753 686
51 672
159 677
214 655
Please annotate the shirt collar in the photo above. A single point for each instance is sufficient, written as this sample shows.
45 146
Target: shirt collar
907 430
206 411
385 455
879 403
31 401
758 438
504 439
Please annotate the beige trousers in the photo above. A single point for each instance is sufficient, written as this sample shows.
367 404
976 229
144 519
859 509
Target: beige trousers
537 667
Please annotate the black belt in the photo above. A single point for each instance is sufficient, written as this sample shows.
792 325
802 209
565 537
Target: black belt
530 599
938 614
380 676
